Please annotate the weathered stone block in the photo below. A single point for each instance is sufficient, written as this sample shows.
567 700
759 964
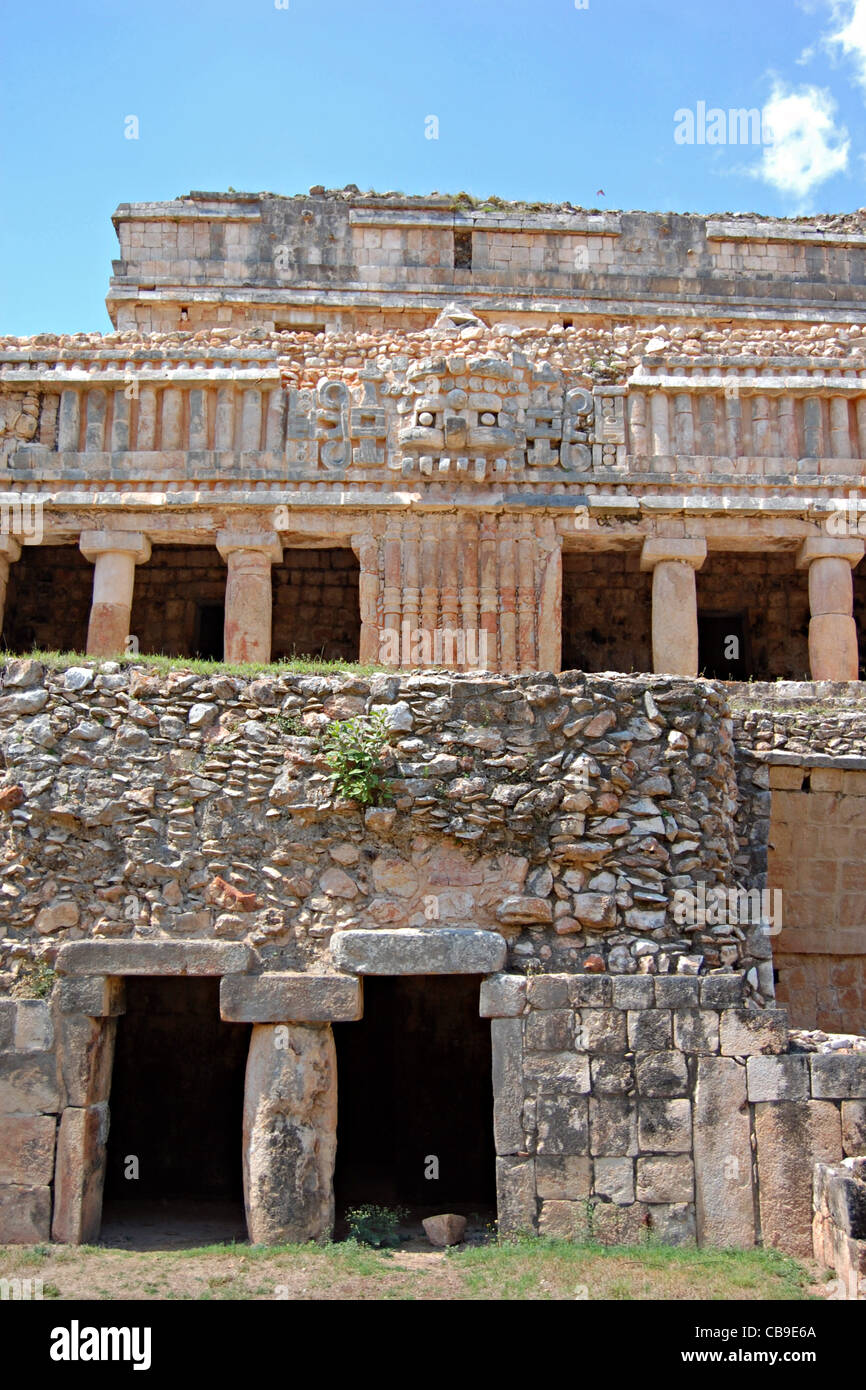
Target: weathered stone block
516 1203
723 1154
633 992
673 1223
568 1177
562 1220
836 1077
613 1179
290 997
612 1224
854 1127
549 1031
503 996
506 1035
290 1133
27 1149
662 1074
670 1178
419 951
612 1126
28 1083
547 991
696 1030
745 1032
154 958
601 1030
566 1071
722 991
8 1010
85 1048
778 1078
25 1215
676 992
98 996
649 1030
612 1075
79 1175
792 1136
665 1126
562 1124
447 1229
590 990
34 1030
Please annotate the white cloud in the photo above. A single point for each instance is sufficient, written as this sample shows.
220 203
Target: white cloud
807 148
850 35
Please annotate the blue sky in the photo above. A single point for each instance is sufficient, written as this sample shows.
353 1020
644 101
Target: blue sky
534 99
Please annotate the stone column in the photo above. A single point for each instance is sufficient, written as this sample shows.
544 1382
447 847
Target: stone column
674 602
114 555
833 654
249 556
366 548
290 1132
10 551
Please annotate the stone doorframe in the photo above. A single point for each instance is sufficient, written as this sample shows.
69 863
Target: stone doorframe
290 1092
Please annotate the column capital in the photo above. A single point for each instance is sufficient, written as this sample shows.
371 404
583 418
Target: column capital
95 543
830 548
659 548
10 549
229 541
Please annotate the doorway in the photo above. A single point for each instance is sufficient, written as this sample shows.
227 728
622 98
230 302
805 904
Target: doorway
415 1119
174 1158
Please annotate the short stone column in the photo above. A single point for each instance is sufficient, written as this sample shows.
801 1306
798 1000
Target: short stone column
114 555
833 653
290 1132
10 551
249 605
674 602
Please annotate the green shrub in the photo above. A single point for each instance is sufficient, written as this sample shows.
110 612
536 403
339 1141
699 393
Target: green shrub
377 1226
355 748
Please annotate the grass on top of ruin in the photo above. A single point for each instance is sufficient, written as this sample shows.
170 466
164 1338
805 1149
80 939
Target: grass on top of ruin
525 1269
199 666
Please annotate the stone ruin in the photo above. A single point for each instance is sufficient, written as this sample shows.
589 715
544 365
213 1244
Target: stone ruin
579 494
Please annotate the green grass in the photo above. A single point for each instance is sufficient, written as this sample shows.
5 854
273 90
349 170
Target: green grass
301 665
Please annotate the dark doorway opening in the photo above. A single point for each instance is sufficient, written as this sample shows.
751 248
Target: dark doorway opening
723 649
176 1108
209 629
416 1098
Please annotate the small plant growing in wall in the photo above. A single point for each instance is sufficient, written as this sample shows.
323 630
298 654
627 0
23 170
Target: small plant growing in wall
376 1226
35 980
354 753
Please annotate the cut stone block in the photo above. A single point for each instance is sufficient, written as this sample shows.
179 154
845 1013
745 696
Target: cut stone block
723 1154
665 1126
662 1074
506 1039
503 996
667 1178
676 992
563 1220
516 1203
29 1083
778 1078
154 958
545 991
568 1177
613 1179
27 1149
696 1030
419 951
792 1137
613 1126
290 1133
448 1229
25 1215
836 1077
673 1223
97 996
562 1124
633 992
854 1127
550 1030
722 991
34 1030
602 1030
649 1030
296 997
590 990
79 1175
86 1055
745 1032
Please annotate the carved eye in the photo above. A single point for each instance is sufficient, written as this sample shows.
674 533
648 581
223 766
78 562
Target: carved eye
487 417
425 418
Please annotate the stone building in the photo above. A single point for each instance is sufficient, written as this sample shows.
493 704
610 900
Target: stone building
575 459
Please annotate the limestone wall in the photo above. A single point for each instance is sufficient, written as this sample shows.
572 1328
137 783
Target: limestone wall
566 815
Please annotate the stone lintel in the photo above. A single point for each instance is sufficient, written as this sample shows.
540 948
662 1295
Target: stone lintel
419 951
290 998
10 549
658 548
154 958
95 543
228 541
830 548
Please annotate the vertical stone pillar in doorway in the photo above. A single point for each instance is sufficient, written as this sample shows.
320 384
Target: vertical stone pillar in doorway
290 1132
833 647
674 602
